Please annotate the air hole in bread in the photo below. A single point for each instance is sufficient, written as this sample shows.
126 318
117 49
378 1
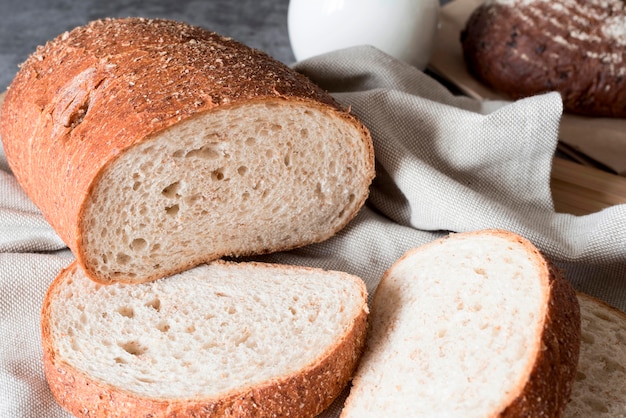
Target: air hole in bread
269 153
163 326
242 170
171 191
217 174
304 133
138 244
207 152
318 191
190 329
250 141
580 376
122 258
155 247
287 159
120 360
191 200
292 310
172 210
126 311
134 348
154 304
136 185
178 153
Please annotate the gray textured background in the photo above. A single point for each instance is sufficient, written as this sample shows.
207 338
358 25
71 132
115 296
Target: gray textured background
25 24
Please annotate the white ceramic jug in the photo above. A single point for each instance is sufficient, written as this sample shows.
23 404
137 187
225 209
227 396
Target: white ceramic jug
404 29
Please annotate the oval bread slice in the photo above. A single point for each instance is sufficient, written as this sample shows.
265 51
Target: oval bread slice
152 146
223 339
472 325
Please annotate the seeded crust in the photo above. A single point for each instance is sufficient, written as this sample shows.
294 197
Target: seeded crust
84 99
527 47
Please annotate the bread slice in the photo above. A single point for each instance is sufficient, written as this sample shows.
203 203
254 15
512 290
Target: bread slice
152 146
222 339
600 390
473 325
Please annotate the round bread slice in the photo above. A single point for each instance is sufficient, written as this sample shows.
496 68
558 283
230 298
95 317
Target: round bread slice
600 390
223 339
473 325
152 146
528 47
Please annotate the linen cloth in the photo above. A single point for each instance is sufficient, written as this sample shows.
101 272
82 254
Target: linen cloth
444 163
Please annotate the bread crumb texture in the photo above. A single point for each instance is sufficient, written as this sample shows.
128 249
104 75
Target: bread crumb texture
213 333
599 390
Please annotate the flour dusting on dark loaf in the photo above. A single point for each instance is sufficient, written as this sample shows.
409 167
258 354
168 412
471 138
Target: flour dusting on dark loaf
575 47
152 146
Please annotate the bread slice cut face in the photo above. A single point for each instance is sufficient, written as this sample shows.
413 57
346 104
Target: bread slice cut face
222 339
473 325
242 180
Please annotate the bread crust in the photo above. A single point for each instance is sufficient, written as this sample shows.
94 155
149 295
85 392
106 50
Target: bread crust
517 49
85 97
302 394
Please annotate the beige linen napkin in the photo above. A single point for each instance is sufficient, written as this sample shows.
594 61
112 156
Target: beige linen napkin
444 163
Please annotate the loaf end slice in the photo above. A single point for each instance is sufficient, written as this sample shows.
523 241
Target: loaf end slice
152 146
223 339
473 325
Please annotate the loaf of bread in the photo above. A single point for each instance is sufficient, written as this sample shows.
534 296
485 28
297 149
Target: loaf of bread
223 339
473 325
528 47
600 387
152 146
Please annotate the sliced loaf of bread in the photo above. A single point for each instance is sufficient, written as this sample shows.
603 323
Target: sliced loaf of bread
223 339
473 325
152 146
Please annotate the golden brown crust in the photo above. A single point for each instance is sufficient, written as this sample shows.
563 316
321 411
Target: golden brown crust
82 99
303 394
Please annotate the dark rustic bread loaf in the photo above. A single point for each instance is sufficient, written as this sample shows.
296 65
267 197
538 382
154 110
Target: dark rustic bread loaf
152 146
575 47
